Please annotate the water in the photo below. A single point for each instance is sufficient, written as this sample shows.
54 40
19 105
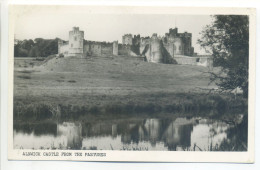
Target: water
162 134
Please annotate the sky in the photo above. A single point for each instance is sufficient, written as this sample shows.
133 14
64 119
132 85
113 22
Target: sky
50 23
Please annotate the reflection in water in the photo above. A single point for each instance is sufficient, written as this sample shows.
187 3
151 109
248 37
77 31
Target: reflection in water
71 133
212 133
194 134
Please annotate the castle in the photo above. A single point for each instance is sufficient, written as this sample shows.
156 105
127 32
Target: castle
77 46
173 47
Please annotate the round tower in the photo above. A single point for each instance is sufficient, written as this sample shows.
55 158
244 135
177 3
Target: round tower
76 42
155 50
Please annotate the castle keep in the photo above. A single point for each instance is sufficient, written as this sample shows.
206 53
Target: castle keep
162 49
173 47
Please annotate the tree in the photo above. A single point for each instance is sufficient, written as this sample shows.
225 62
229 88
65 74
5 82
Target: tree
38 48
27 44
227 38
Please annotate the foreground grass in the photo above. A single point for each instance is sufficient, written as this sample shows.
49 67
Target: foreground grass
213 105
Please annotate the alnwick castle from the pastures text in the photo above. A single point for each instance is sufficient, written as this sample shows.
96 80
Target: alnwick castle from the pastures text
174 47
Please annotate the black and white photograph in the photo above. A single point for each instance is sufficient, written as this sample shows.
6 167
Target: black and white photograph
130 80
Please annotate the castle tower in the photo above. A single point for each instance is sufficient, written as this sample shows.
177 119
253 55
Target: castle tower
187 39
178 46
115 48
155 50
76 40
173 32
127 39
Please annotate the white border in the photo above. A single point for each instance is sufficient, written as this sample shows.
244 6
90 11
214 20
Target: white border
69 165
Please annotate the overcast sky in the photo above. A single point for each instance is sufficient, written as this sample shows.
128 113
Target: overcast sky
51 23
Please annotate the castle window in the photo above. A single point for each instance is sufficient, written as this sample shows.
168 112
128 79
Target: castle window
75 38
71 45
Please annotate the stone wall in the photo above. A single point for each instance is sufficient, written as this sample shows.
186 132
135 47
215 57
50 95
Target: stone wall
115 48
124 49
185 60
92 48
106 48
63 47
206 61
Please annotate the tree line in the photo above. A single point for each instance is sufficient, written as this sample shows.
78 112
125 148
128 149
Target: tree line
38 47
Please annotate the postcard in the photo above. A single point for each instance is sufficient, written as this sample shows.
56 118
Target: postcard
131 83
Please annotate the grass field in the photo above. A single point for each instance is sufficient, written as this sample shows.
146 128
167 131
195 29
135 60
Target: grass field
114 84
70 78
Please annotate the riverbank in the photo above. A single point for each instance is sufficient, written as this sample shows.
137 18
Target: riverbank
213 105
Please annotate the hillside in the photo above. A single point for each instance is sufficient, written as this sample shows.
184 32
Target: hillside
74 80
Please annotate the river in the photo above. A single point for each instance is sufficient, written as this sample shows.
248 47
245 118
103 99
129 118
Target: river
161 134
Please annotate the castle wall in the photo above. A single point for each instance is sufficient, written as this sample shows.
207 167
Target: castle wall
124 49
63 48
106 48
198 61
185 60
92 49
206 61
115 48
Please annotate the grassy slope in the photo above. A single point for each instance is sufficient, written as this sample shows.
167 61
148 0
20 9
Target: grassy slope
76 87
74 80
